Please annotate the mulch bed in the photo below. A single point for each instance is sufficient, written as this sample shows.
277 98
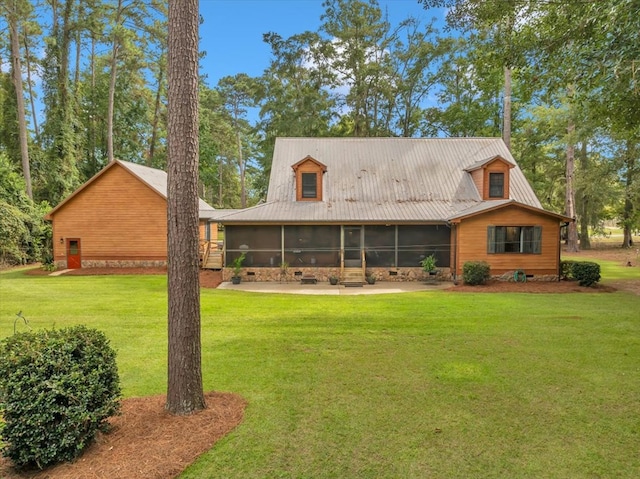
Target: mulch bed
145 441
532 287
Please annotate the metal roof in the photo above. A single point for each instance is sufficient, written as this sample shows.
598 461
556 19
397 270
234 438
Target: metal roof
383 179
154 178
157 179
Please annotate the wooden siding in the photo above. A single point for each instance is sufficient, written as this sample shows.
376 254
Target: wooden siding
471 244
478 177
213 230
115 217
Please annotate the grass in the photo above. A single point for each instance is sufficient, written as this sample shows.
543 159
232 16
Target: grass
613 270
412 385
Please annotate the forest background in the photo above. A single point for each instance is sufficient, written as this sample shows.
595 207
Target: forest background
559 80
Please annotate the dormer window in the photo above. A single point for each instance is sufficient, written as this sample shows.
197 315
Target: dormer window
496 185
309 185
491 177
308 173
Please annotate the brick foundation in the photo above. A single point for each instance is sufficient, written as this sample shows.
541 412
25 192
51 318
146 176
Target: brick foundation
323 274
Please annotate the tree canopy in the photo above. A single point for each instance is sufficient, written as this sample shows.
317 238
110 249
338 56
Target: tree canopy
557 80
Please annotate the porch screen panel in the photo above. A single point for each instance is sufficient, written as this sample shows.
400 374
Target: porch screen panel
261 244
416 242
312 245
380 245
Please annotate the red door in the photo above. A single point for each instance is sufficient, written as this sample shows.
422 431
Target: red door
73 254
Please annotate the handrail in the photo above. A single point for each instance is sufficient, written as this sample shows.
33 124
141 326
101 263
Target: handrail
206 247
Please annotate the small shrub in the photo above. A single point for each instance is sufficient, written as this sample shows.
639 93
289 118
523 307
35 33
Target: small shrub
476 272
566 269
587 273
57 389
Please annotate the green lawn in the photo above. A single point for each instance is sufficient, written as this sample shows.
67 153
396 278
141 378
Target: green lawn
417 385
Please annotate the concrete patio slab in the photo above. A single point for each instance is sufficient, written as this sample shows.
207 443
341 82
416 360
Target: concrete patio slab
338 290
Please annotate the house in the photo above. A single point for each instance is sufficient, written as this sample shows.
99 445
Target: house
348 207
119 218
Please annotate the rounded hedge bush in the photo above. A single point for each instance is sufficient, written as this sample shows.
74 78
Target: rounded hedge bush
57 389
587 273
476 272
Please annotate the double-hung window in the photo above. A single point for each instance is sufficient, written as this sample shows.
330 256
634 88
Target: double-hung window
514 239
309 185
496 185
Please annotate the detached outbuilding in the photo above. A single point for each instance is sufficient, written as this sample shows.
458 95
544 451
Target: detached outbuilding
119 219
351 207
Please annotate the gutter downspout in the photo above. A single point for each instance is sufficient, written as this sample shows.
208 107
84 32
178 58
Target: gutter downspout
565 225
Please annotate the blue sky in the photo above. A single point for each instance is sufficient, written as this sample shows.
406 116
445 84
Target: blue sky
232 30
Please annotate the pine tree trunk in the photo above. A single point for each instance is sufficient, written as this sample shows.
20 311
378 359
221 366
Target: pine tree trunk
585 240
34 118
16 70
628 211
506 114
570 194
184 390
112 87
156 118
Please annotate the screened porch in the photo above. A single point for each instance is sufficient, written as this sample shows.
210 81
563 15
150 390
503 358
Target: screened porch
337 246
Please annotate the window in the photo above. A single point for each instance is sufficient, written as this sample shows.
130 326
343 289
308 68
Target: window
309 185
514 239
496 185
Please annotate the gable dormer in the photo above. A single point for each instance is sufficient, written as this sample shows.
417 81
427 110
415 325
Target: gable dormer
491 178
309 173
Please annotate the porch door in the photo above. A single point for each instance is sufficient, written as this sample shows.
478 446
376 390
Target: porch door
353 247
74 261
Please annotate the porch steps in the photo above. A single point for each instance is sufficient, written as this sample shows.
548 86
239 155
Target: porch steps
214 261
352 277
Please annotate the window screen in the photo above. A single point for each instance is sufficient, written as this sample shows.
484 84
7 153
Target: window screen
311 245
416 242
262 244
380 245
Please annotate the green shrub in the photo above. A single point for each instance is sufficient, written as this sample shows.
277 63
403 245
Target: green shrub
57 389
476 272
587 273
566 269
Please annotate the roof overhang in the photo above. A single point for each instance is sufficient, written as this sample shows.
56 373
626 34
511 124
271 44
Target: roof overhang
489 206
482 163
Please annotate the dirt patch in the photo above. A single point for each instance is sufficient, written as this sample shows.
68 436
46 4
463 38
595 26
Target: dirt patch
146 441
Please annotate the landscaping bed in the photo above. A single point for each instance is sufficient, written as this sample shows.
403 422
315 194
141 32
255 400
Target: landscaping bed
146 441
